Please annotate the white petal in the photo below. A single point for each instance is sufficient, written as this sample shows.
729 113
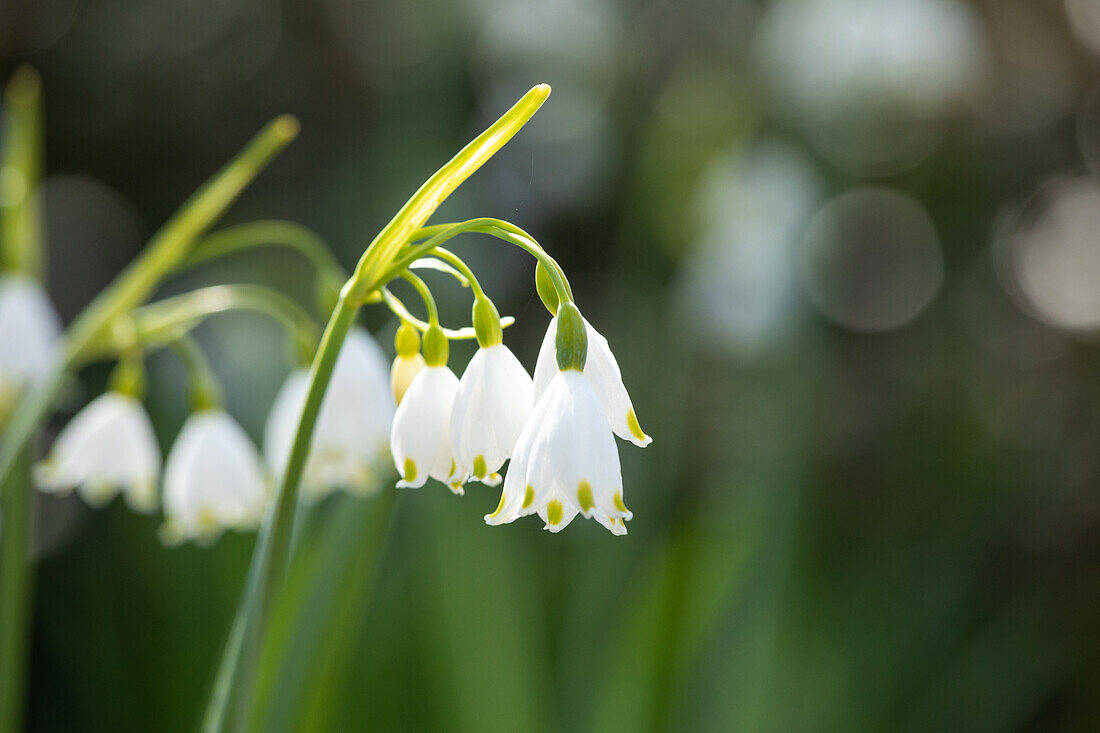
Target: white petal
566 461
493 402
30 334
546 368
213 478
602 370
421 436
29 328
108 446
514 498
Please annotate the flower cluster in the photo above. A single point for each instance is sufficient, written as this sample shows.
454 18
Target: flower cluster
557 429
337 423
213 478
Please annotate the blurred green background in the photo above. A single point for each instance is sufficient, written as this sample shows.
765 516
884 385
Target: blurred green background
847 253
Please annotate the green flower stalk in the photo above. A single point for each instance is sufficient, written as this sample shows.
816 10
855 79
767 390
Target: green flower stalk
273 549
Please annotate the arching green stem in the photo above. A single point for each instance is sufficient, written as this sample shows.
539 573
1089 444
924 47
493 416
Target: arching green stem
266 233
505 231
206 392
425 295
462 267
454 334
168 319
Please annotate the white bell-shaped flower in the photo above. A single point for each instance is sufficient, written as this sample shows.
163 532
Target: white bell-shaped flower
602 371
421 438
30 334
213 480
108 447
494 400
565 462
353 427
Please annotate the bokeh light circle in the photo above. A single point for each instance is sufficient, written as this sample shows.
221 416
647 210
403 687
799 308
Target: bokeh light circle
1049 254
872 260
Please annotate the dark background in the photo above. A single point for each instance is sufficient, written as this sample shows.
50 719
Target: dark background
847 254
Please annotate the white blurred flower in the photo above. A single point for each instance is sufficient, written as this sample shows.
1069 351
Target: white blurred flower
873 83
1048 255
30 334
739 286
353 427
421 438
494 400
108 447
602 371
828 57
213 480
565 461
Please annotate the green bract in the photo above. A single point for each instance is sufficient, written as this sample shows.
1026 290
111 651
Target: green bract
571 340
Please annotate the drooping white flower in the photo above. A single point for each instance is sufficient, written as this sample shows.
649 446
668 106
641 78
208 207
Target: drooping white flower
494 400
353 427
213 480
565 462
108 447
602 371
29 336
421 437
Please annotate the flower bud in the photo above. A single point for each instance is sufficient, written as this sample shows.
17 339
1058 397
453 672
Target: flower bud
486 321
544 284
436 347
571 341
407 340
409 360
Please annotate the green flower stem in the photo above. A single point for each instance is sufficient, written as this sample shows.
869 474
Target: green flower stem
463 268
273 232
434 263
21 248
167 248
425 295
271 556
168 319
498 228
262 233
206 391
460 334
15 601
